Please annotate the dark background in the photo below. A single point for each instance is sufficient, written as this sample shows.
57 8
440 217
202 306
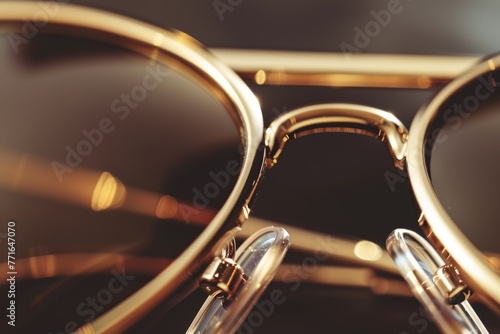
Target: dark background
333 182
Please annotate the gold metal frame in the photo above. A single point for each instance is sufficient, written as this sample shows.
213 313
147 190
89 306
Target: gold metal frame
332 117
392 71
442 232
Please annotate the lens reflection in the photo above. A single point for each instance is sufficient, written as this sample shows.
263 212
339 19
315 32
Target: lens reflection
112 163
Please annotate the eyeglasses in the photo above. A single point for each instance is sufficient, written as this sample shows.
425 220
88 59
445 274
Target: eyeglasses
113 125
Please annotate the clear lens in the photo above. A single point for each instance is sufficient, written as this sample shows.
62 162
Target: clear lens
112 162
259 257
419 264
463 159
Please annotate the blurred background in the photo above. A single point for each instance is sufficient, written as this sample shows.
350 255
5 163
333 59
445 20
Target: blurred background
332 183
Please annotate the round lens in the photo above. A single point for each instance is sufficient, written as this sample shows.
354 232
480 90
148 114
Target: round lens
114 157
463 159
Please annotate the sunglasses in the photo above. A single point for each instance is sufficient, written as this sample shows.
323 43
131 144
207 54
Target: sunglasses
131 158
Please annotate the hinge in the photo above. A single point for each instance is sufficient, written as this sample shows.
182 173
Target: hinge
449 283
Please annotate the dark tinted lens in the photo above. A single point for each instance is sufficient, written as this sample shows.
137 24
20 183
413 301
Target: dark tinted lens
111 164
463 151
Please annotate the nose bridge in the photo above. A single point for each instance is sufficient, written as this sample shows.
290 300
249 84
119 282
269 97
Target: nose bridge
337 117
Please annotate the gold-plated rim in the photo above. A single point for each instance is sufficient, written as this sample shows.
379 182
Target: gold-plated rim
244 102
446 236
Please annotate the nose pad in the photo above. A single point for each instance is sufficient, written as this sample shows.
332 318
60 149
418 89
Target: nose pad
258 258
436 284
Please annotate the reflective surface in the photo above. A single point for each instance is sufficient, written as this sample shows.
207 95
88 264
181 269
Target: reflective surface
338 189
112 163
